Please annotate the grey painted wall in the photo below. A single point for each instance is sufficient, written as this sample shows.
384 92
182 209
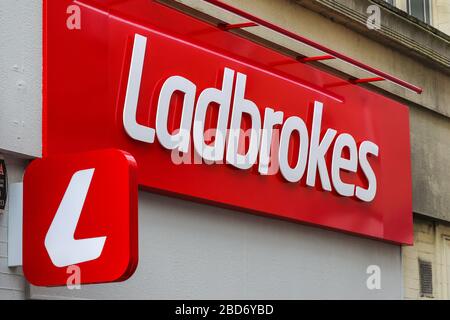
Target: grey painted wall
20 110
196 251
21 76
430 153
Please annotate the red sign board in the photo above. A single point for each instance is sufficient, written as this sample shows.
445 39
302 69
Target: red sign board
211 116
80 210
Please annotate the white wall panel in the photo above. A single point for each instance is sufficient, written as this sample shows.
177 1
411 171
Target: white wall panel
196 251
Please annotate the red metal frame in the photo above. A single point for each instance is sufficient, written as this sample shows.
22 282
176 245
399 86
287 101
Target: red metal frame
316 58
366 80
229 26
381 76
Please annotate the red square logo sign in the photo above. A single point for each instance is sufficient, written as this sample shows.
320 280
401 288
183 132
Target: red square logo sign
80 210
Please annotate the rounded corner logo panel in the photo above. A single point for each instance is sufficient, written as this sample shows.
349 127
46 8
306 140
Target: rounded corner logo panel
80 215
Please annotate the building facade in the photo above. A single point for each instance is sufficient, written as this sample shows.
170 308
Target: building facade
197 251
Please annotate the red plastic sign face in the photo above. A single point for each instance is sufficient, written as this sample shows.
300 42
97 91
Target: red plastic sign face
80 219
214 117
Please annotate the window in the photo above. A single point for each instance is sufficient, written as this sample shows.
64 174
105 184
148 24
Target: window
420 9
426 279
391 2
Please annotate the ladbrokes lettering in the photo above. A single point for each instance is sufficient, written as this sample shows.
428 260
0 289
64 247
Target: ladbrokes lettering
233 104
